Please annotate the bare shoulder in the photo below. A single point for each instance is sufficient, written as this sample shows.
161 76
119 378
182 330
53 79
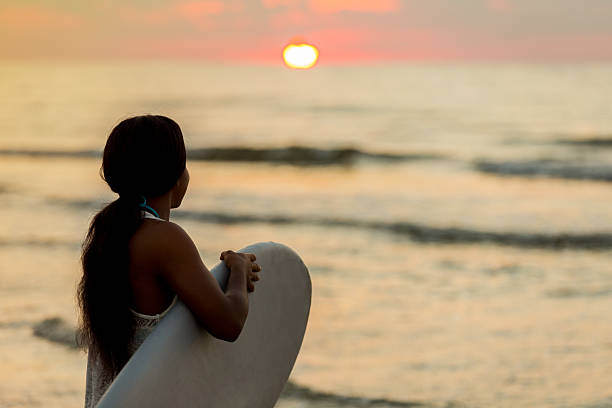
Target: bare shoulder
169 229
173 247
163 242
168 236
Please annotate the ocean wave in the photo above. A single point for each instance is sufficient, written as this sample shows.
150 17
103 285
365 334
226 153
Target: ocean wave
15 324
598 141
37 242
300 155
573 292
341 108
409 230
421 233
50 153
296 155
56 330
547 168
293 390
606 403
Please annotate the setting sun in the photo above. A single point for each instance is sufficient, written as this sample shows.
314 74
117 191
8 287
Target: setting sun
300 56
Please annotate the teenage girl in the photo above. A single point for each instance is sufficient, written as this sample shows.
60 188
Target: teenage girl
136 262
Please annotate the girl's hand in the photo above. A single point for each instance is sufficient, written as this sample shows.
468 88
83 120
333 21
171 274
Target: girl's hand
245 262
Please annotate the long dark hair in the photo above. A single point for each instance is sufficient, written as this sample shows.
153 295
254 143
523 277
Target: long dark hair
143 156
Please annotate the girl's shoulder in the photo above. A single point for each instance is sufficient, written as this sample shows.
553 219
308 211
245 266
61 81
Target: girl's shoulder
159 235
159 243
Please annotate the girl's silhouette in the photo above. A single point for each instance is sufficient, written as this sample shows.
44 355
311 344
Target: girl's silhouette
136 262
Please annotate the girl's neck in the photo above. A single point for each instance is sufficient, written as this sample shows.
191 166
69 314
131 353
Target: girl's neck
161 204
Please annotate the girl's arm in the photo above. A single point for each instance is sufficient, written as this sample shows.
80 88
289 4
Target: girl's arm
222 314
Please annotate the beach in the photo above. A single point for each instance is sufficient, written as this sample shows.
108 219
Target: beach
454 219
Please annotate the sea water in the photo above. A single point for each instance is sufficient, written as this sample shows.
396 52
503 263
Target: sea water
455 219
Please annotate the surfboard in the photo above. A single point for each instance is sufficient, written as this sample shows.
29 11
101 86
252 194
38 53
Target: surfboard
181 365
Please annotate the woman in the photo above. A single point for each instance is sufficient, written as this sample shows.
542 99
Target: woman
136 262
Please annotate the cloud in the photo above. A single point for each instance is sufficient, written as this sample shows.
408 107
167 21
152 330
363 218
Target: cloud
344 30
271 4
350 44
549 47
195 9
37 17
364 6
289 19
501 6
194 12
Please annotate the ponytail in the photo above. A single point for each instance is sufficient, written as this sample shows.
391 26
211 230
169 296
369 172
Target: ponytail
103 292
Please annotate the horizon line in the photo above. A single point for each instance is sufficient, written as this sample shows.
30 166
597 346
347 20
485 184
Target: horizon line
333 62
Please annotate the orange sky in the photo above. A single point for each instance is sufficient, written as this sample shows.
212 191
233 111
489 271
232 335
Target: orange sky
346 31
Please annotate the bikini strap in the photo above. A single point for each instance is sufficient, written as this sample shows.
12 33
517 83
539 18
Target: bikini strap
148 208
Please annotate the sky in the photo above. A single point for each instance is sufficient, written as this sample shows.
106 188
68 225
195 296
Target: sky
345 31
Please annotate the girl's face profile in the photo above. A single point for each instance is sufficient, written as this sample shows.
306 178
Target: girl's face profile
180 189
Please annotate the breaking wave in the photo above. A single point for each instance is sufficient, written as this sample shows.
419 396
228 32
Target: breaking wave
300 155
547 168
38 242
422 233
296 155
600 141
293 390
56 330
50 153
414 231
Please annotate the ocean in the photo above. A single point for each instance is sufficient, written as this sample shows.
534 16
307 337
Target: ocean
454 218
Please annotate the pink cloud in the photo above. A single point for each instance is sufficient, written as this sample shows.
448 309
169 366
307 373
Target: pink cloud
234 50
352 44
550 47
195 9
364 6
28 17
195 12
227 29
501 6
288 19
345 45
151 17
280 3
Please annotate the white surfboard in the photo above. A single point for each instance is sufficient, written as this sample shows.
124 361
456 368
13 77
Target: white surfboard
181 365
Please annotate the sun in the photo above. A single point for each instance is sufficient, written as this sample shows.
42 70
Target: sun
300 56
